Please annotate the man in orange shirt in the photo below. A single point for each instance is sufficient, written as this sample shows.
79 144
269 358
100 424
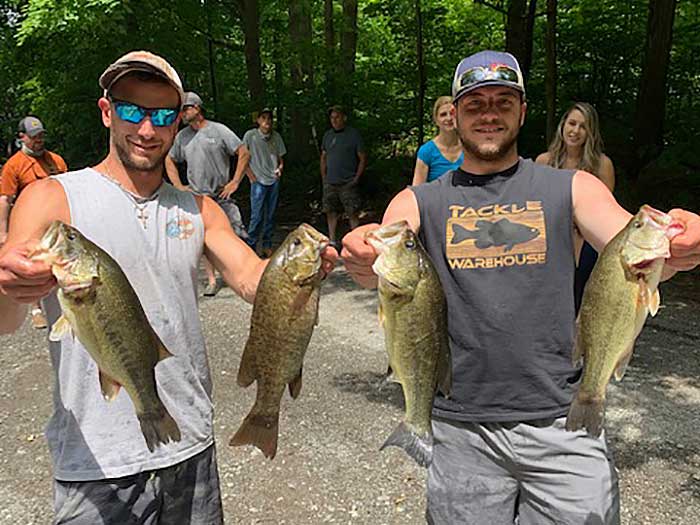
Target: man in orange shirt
29 164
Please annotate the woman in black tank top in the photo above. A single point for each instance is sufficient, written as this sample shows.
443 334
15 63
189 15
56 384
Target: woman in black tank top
578 145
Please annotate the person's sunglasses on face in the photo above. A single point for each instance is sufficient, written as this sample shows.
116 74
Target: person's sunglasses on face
133 113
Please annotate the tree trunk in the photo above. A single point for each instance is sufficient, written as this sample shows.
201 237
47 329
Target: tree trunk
250 22
421 71
212 63
651 99
519 28
348 49
329 40
302 78
551 78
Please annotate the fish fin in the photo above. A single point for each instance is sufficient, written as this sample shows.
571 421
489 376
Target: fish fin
163 352
588 414
577 354
110 388
158 427
300 300
483 224
444 376
420 448
295 385
391 375
60 328
621 366
259 431
459 234
246 370
654 302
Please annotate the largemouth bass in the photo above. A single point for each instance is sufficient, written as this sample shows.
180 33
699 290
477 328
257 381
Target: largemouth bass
285 312
620 293
413 313
102 310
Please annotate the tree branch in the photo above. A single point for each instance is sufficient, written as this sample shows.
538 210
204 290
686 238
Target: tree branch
497 7
208 36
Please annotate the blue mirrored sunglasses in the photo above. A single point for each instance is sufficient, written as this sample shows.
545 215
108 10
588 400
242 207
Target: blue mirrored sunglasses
129 112
479 74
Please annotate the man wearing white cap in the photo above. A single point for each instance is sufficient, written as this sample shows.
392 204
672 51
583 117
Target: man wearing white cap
31 163
501 453
104 471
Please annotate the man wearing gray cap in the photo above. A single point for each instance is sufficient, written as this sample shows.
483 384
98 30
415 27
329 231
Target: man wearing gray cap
104 471
207 147
500 451
31 163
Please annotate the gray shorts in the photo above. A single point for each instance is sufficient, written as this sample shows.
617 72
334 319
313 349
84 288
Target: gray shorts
533 473
234 215
183 494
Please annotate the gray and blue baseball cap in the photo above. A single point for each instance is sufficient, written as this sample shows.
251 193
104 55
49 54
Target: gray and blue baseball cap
487 68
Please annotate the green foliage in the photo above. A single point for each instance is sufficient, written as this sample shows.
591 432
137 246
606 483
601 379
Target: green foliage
53 51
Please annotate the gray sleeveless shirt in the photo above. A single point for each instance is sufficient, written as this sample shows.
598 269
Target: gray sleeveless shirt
503 248
158 243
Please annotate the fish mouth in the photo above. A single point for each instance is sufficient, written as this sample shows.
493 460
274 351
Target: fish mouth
390 286
45 249
387 235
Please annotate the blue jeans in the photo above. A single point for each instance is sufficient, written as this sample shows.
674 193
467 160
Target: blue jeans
263 203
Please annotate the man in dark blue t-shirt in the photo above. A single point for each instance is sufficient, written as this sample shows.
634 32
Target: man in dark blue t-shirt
343 161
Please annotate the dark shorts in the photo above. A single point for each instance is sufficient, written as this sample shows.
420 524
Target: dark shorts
536 473
341 197
183 494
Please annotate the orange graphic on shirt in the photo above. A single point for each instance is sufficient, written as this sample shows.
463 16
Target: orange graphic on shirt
496 236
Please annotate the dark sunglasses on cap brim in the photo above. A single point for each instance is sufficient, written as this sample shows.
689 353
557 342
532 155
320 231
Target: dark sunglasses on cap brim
478 74
129 112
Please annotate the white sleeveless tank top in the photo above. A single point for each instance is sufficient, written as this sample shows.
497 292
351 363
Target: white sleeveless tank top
158 243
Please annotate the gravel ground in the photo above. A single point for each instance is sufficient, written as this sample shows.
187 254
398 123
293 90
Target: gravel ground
328 468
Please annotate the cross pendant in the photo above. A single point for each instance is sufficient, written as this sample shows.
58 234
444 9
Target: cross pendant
142 216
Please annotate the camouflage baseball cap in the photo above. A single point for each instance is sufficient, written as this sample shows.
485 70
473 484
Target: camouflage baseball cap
141 61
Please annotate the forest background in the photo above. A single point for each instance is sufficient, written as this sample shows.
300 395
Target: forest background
636 61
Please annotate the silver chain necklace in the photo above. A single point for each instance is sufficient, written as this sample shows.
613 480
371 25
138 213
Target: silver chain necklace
140 203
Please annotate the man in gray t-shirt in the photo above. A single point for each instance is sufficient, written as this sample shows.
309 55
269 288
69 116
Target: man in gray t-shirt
207 148
266 165
343 161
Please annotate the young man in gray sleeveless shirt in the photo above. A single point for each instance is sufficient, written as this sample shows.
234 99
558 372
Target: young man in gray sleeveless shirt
103 470
501 452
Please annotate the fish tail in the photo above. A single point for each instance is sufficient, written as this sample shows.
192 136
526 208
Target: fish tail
158 427
588 414
420 448
260 431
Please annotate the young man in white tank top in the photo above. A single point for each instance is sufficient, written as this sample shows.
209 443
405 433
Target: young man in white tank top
157 234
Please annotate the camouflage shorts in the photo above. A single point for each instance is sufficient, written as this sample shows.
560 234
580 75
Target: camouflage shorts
185 493
341 197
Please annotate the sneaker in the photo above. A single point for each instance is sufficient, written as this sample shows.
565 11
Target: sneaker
38 319
211 290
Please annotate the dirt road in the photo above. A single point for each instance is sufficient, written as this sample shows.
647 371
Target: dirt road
328 468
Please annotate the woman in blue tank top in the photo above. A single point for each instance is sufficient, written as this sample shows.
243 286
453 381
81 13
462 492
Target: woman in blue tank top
578 145
444 152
